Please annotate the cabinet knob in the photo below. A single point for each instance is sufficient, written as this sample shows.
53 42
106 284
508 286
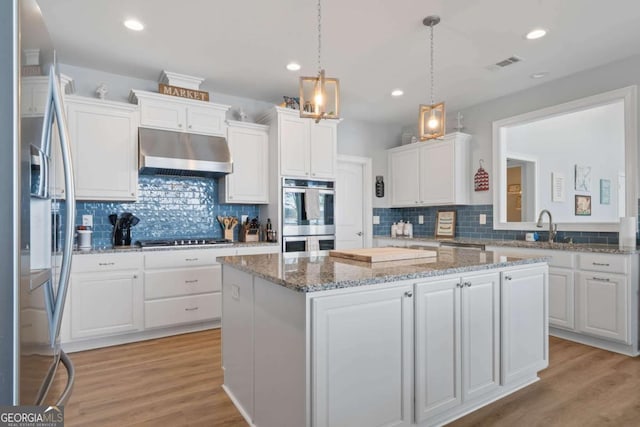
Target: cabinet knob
467 284
133 194
507 278
408 294
179 125
62 191
135 276
190 126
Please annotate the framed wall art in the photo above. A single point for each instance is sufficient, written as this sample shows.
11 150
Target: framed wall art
446 224
583 178
605 191
583 205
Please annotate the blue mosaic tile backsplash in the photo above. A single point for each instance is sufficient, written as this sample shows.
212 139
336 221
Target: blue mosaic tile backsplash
467 225
168 207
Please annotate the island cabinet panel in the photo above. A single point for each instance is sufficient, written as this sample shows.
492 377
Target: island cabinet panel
437 353
525 347
362 365
237 338
457 340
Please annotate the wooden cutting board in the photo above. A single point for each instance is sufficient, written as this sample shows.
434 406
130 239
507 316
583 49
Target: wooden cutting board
382 254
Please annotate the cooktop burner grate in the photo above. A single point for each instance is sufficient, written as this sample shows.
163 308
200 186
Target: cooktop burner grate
188 241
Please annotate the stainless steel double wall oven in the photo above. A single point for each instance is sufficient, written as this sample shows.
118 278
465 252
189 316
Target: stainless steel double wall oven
307 215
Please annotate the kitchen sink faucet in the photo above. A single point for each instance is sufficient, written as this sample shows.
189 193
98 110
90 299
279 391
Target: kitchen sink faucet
553 228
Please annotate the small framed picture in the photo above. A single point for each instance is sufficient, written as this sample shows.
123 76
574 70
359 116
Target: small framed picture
446 224
605 191
583 205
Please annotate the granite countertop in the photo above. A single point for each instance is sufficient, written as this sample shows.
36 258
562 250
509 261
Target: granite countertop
111 249
576 247
317 271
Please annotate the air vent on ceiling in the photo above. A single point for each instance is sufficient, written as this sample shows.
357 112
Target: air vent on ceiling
505 63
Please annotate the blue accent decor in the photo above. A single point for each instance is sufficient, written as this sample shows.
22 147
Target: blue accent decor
167 207
467 226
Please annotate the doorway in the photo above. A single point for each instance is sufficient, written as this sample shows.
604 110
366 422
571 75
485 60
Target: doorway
353 203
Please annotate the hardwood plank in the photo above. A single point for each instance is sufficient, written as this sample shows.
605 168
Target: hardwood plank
177 381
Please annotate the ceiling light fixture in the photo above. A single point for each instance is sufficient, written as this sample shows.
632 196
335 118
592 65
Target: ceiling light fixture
320 95
293 66
397 92
536 33
134 24
431 117
539 75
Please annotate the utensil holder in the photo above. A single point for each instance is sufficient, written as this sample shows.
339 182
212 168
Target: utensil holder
228 234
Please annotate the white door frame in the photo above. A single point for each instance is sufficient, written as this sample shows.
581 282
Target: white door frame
367 197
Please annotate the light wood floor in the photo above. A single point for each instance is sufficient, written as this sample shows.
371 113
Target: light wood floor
176 382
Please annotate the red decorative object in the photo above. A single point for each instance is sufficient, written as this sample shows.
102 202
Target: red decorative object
481 179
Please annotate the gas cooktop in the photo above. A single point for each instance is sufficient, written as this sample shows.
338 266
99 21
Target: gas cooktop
181 242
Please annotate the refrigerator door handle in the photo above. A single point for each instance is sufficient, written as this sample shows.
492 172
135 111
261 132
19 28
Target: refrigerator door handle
55 107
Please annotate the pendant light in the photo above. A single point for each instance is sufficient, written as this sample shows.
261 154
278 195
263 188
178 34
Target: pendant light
320 95
431 117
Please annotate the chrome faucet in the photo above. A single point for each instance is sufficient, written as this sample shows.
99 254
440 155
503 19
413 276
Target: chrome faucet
553 228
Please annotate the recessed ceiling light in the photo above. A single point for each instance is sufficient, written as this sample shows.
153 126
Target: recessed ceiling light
293 66
134 24
397 92
536 33
539 75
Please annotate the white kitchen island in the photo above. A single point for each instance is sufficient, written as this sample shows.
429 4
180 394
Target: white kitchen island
313 340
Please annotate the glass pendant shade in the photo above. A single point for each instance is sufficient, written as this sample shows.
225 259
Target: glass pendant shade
319 97
431 121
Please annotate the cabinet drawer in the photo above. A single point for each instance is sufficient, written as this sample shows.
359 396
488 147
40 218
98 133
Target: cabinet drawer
180 258
106 262
173 311
171 283
600 262
255 250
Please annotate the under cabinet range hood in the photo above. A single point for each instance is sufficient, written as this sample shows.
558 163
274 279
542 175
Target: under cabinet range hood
163 152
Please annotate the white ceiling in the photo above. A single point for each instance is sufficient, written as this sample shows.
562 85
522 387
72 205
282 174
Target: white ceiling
372 46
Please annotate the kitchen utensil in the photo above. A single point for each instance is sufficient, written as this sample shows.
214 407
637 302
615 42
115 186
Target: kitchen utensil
134 221
113 218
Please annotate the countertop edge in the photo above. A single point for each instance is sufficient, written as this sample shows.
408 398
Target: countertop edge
523 244
327 286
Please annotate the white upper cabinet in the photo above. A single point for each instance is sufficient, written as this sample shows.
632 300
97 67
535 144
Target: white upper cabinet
249 181
431 173
104 148
34 96
180 114
305 149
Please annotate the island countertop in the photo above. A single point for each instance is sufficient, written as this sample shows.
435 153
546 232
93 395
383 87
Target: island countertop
317 271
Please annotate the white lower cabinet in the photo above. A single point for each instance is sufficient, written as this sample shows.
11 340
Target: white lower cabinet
602 305
362 364
106 296
457 340
181 287
525 343
561 300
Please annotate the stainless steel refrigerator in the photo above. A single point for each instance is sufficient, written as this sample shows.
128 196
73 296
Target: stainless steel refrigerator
34 370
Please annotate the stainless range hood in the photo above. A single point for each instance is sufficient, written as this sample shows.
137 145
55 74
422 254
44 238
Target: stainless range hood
163 152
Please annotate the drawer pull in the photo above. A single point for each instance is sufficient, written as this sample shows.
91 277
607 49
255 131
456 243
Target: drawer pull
600 279
191 281
106 263
603 264
191 309
191 259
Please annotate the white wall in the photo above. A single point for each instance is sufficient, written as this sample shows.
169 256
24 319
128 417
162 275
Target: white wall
358 138
86 81
478 119
593 138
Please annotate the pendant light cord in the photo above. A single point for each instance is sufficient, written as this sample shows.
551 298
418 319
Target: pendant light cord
431 69
319 36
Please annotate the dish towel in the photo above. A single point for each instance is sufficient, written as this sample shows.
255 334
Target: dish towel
312 204
313 244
